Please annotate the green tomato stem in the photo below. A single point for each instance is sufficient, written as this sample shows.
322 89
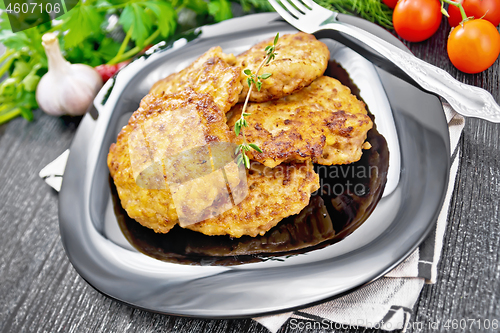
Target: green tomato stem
460 7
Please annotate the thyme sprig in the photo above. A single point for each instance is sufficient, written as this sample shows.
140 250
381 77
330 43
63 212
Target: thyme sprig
253 79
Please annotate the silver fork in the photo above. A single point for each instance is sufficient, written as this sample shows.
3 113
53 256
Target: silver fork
467 100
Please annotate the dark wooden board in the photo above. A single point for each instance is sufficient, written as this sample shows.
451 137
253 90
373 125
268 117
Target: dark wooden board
41 292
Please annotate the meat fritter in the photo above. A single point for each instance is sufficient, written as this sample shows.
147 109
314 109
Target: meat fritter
211 74
273 194
323 122
300 59
162 148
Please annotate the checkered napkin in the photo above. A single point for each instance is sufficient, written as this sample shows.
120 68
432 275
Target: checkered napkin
386 303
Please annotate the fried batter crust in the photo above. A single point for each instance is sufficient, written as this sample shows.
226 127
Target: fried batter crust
323 122
157 129
299 61
273 194
211 74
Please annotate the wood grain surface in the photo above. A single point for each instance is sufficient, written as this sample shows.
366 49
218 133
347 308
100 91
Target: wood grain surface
41 292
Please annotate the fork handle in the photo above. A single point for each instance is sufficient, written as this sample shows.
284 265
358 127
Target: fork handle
465 99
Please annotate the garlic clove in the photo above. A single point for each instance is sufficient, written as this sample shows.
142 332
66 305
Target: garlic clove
44 98
80 90
66 88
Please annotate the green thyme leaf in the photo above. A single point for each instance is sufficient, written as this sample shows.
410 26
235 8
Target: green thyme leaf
246 160
254 146
258 85
237 128
239 159
265 76
247 72
276 39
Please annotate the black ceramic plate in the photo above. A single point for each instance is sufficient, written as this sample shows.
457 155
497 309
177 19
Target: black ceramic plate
417 133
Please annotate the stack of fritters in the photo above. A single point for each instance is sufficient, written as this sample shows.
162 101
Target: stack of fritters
297 118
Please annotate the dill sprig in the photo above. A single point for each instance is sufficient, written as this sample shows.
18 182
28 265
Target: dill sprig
253 79
371 10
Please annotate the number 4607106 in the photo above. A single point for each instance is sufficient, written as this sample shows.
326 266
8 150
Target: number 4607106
33 8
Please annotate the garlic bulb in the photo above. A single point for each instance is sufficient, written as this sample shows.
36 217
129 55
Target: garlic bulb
66 88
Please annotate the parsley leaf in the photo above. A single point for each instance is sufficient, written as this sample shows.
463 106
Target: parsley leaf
220 9
82 22
108 49
166 16
4 19
134 15
15 41
198 6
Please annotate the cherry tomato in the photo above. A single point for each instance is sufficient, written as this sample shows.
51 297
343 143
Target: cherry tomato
417 20
476 8
474 47
391 3
107 71
122 64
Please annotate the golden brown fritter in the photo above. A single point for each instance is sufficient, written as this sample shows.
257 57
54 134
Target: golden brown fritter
210 74
322 122
273 194
299 61
162 147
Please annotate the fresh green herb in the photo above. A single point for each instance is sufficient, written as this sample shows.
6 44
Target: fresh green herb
371 10
252 79
256 6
